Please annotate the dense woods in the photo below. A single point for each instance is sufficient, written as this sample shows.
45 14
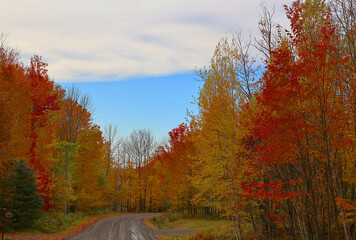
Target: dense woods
271 148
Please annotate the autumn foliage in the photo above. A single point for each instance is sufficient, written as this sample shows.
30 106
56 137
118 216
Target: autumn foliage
271 148
34 117
277 153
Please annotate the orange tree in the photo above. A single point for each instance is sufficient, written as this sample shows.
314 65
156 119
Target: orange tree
303 131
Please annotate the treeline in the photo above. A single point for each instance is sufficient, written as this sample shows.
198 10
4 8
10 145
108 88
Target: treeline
272 148
53 157
51 129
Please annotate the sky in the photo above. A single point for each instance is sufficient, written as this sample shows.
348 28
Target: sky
156 103
135 58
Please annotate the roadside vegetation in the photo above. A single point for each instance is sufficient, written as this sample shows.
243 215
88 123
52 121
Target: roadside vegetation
54 222
52 225
207 226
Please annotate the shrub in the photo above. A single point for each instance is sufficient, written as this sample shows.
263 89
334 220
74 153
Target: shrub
53 222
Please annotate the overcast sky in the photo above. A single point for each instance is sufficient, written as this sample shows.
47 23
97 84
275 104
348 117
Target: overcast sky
134 57
105 40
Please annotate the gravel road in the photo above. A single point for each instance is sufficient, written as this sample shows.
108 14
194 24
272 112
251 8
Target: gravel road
125 227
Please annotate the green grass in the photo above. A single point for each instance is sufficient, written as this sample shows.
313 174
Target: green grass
53 226
174 237
197 224
56 223
207 228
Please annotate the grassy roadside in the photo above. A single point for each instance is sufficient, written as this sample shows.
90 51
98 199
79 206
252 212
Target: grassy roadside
55 226
208 229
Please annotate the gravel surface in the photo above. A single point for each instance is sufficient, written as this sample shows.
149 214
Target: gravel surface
125 227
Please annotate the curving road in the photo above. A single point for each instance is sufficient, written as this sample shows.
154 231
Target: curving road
125 227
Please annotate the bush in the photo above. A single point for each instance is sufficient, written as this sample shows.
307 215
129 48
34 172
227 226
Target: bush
54 222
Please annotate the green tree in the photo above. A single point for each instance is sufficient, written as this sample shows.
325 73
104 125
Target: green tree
25 202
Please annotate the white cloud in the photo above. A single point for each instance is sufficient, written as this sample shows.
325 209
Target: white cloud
93 40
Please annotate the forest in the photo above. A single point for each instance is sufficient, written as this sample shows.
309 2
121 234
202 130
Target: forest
271 147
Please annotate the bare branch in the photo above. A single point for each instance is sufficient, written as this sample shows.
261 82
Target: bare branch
269 31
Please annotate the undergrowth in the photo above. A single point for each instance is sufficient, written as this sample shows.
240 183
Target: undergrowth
208 227
55 222
163 221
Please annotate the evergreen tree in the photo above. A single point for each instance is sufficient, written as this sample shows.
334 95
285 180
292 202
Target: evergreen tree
24 202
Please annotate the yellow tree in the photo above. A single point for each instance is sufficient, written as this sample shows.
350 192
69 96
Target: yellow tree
90 171
220 164
74 120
